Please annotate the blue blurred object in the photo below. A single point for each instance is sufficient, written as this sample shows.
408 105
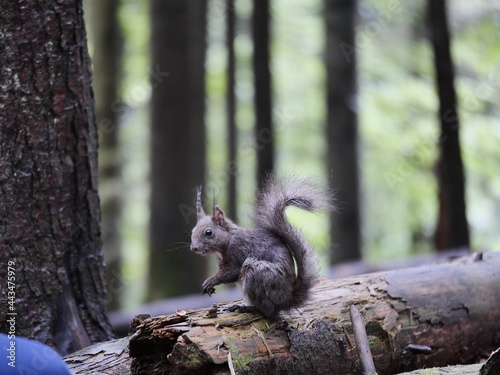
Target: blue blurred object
22 356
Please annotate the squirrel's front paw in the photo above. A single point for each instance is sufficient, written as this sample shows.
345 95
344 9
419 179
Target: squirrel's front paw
208 287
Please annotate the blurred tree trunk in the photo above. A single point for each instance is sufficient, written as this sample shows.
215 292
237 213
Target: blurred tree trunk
231 109
177 144
263 88
452 228
106 57
342 126
49 221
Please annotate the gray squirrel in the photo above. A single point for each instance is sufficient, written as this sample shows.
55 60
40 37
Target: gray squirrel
262 260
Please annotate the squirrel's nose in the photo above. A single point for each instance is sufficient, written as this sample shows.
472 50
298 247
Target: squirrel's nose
194 248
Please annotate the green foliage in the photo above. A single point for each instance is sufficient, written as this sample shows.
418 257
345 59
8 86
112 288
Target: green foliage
477 54
397 107
132 107
134 21
399 125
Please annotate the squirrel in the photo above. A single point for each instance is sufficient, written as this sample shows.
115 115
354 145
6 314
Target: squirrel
262 260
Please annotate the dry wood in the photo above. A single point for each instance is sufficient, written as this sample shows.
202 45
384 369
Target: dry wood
450 370
451 310
110 358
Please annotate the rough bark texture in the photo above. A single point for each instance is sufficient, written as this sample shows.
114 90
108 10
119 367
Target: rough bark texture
449 308
49 216
452 228
342 133
110 358
263 91
107 44
450 370
492 365
177 144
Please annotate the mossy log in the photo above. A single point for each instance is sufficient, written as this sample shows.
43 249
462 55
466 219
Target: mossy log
421 317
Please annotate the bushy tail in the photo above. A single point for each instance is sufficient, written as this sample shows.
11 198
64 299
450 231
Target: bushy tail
307 194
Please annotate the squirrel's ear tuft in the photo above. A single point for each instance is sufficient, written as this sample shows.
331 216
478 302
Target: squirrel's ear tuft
218 215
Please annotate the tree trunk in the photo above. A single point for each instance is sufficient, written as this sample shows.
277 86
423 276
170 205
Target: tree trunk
452 228
106 58
342 128
419 317
177 144
49 222
263 91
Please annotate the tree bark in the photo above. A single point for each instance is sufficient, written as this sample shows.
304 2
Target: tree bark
492 365
342 133
263 89
452 228
107 42
49 222
177 144
111 357
448 312
448 370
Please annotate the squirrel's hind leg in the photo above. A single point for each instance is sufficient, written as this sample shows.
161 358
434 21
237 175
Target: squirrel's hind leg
266 286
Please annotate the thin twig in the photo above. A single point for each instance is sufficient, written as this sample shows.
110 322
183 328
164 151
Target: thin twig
259 333
358 327
230 363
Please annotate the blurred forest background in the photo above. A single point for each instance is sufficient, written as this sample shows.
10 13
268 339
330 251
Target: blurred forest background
396 130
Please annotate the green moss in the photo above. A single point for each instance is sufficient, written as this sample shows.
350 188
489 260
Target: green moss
261 325
195 356
240 361
430 372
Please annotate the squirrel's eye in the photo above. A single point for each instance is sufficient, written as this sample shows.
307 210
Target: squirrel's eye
208 232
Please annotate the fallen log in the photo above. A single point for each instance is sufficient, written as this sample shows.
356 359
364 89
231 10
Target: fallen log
449 370
490 367
120 319
110 358
422 317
